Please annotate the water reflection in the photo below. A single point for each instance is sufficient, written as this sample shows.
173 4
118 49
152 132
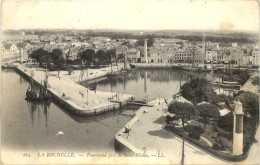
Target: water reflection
30 126
34 126
143 82
39 109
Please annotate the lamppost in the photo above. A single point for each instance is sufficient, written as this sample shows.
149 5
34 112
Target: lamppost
146 99
87 97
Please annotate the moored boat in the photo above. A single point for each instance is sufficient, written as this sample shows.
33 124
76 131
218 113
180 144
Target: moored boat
36 96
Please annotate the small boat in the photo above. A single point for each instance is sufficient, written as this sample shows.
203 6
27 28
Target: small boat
31 93
7 65
225 85
36 96
132 66
231 82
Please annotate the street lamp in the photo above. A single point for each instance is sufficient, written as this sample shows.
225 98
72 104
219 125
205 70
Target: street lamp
87 97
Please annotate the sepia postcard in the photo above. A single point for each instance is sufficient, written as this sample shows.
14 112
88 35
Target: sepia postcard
130 82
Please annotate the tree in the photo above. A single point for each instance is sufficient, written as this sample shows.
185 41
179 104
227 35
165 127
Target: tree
87 55
228 100
183 111
57 57
41 55
255 80
149 38
208 111
250 102
102 57
198 90
249 127
240 76
226 122
111 54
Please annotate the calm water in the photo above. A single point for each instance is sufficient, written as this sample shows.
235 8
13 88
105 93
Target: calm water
28 126
151 82
33 126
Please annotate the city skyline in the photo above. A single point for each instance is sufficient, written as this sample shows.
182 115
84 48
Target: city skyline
222 16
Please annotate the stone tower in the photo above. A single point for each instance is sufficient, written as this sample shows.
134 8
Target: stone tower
238 129
145 50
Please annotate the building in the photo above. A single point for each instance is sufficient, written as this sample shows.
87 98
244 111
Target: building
161 55
199 56
255 57
234 44
133 56
9 49
211 56
24 49
183 56
237 56
211 45
120 53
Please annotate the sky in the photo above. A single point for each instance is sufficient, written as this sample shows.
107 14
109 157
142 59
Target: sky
222 15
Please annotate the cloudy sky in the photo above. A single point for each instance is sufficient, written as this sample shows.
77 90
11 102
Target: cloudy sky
223 15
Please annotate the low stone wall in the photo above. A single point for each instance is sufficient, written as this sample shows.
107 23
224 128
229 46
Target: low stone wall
120 147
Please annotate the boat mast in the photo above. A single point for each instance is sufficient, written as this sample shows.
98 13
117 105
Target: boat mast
111 62
32 87
46 80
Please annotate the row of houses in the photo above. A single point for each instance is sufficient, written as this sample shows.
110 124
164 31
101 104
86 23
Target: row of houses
162 51
185 52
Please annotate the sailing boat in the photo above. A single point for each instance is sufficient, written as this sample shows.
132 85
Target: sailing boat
42 95
31 93
45 95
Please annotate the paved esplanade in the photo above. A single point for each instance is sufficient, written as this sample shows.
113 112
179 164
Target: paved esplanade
147 134
66 87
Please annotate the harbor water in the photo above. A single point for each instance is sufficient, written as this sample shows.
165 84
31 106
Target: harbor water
46 126
29 126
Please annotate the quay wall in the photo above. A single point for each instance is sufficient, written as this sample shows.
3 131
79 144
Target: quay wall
121 145
187 66
156 65
74 109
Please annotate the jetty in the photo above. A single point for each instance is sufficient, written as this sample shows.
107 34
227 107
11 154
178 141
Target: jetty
73 97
